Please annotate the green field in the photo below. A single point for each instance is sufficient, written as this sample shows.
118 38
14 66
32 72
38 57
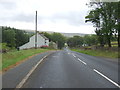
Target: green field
13 57
101 53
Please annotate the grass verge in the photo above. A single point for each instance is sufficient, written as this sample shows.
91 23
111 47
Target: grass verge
101 53
13 57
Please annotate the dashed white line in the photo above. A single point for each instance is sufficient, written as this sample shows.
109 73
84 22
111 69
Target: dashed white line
107 78
74 56
68 53
41 87
82 61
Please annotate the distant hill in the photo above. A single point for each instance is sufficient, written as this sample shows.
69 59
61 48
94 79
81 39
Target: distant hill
73 34
65 34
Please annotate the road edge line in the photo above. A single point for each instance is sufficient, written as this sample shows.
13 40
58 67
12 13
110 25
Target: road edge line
31 71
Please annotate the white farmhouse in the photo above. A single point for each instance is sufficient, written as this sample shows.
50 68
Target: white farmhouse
41 41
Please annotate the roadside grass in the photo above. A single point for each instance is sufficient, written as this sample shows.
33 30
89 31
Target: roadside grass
11 58
101 53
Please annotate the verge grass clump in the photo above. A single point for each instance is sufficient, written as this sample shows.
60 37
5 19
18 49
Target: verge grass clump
102 53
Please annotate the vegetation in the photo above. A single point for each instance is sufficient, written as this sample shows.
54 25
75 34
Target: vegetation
13 57
102 53
57 38
78 41
105 17
75 41
90 40
14 37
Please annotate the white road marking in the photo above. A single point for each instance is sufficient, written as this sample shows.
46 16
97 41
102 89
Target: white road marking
30 72
68 53
74 55
41 87
82 61
107 78
54 56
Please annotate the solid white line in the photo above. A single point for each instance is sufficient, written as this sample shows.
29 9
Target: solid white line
30 72
82 61
107 78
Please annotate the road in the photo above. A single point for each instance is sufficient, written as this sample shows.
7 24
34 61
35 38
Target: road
68 69
13 77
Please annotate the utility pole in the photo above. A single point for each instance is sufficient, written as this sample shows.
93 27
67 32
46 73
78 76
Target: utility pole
36 30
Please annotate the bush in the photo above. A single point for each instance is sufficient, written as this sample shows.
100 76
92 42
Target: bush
44 47
4 48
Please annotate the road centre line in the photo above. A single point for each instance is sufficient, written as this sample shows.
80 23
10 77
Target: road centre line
74 55
107 78
68 53
82 61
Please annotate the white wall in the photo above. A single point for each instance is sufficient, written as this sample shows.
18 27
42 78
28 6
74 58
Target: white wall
31 43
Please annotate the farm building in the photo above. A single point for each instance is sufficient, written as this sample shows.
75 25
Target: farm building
41 41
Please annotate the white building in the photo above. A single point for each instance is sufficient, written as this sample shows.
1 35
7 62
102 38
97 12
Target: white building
41 41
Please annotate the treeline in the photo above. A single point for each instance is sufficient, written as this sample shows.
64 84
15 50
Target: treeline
78 41
13 38
75 41
105 16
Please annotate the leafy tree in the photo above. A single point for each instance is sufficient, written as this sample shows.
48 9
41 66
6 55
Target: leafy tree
104 17
94 17
59 39
21 37
117 19
8 37
14 37
90 40
75 41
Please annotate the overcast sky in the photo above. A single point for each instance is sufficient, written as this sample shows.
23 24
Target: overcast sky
53 15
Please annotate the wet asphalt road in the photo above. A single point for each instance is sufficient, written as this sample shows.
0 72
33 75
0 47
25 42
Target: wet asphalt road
68 69
13 77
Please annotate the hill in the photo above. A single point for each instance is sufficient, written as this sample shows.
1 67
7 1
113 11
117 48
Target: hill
65 34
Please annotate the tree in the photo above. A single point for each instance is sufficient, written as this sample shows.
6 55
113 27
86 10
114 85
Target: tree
21 37
104 17
59 39
90 40
14 37
75 41
94 17
117 19
8 37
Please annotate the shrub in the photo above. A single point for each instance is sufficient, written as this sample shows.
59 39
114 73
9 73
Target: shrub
4 48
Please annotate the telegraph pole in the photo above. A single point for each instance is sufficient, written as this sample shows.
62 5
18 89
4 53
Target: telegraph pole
36 30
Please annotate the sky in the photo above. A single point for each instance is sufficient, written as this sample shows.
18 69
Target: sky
66 16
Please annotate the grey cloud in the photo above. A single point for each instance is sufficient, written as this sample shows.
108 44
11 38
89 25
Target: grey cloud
72 18
7 4
18 17
23 18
